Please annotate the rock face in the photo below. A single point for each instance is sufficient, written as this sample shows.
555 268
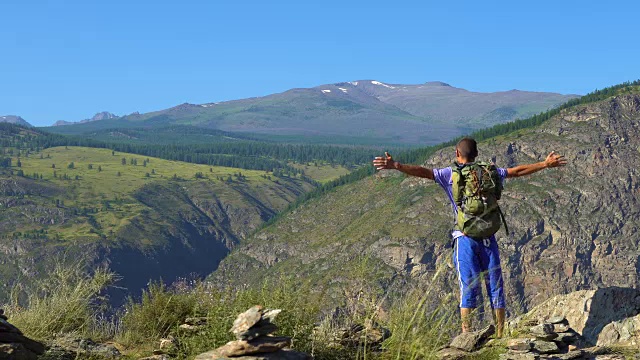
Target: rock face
603 317
14 345
253 330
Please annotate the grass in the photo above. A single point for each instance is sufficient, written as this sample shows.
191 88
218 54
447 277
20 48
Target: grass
69 301
322 172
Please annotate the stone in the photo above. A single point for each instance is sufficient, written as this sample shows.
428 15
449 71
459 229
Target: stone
557 320
520 344
566 337
560 328
279 355
547 337
16 351
257 331
191 328
545 347
572 347
625 332
84 347
588 312
168 344
472 341
541 330
519 356
246 320
451 354
264 344
571 355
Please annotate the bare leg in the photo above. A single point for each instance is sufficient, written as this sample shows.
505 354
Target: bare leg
465 315
500 315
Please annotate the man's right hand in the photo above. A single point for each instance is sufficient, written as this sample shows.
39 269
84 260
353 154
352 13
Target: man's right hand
384 162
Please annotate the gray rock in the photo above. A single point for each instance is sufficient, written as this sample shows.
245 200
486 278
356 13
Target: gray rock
246 320
257 331
557 320
560 328
571 355
452 354
545 347
82 347
280 355
263 344
567 337
519 356
541 330
520 344
472 341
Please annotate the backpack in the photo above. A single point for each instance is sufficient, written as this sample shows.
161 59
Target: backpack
476 188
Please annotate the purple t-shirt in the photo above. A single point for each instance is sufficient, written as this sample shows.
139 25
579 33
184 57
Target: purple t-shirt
443 178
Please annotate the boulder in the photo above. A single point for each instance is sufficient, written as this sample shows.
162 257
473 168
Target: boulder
472 341
279 355
590 311
264 344
622 333
545 347
452 354
246 320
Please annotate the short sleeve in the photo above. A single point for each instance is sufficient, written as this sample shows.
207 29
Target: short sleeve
502 172
442 176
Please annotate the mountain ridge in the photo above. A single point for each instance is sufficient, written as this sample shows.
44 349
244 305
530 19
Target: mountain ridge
385 113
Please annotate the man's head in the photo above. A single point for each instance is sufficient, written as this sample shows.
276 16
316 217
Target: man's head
466 150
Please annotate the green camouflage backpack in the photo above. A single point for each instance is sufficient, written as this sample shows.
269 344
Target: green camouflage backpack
476 190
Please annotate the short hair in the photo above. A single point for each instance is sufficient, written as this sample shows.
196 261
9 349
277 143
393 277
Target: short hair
468 148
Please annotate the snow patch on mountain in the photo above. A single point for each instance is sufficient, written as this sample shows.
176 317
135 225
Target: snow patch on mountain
382 84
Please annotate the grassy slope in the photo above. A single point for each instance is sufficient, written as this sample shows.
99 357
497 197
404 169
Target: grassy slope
94 188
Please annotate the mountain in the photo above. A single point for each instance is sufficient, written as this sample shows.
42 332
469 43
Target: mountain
104 115
349 112
572 228
13 119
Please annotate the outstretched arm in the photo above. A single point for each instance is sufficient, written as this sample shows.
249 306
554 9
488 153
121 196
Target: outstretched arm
386 162
553 160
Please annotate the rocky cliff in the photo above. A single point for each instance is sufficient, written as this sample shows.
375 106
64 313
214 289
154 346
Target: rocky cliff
571 229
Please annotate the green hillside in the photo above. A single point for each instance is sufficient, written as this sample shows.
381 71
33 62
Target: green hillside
134 212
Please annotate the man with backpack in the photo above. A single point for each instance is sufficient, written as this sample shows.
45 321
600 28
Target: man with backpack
474 189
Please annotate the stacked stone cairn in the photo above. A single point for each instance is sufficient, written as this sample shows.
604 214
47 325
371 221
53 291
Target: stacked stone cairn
14 345
552 339
255 341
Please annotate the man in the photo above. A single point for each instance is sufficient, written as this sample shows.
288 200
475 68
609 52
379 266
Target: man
473 257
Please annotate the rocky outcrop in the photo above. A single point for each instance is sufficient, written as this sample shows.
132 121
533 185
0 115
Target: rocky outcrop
603 317
253 330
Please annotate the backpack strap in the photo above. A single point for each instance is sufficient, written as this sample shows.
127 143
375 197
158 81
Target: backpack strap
504 222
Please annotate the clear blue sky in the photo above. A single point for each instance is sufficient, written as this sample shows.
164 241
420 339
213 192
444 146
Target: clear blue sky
70 59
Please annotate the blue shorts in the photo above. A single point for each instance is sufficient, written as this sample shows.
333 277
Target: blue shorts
475 260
